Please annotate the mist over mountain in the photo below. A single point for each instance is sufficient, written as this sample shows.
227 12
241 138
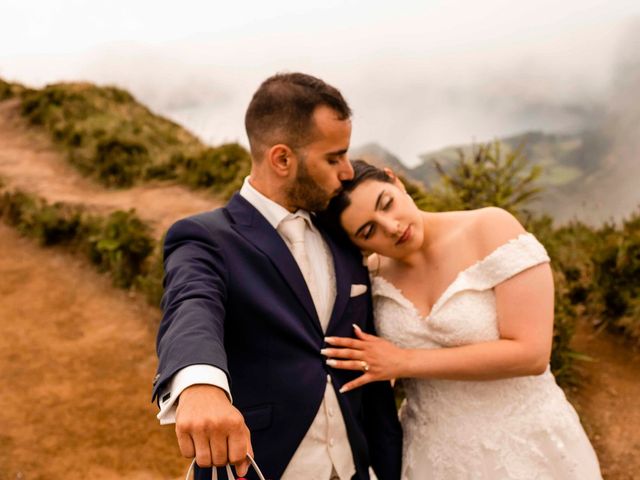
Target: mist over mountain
590 172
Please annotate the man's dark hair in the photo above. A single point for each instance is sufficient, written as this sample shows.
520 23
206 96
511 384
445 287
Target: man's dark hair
281 110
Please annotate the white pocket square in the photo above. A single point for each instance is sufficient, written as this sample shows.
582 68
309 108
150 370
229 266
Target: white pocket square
358 289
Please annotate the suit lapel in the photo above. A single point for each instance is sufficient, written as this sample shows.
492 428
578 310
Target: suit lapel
343 277
256 229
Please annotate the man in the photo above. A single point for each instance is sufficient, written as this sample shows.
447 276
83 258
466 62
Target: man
252 289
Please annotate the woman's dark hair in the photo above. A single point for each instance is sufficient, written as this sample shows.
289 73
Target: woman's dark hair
362 171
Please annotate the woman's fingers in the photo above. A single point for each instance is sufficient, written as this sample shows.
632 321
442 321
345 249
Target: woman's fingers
361 335
358 382
345 342
348 364
346 353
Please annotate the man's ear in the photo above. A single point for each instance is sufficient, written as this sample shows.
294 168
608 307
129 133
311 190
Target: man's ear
281 159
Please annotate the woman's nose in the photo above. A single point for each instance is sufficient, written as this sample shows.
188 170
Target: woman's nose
390 226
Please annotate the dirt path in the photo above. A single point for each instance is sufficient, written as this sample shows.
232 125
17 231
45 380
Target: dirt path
76 362
30 162
608 401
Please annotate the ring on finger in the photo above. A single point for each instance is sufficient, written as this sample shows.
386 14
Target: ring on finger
364 366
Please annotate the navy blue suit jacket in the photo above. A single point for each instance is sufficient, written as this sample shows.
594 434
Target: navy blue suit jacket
236 299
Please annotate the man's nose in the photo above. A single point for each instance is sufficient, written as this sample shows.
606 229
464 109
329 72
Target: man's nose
346 172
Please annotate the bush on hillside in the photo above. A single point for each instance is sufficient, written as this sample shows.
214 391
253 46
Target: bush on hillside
121 246
616 275
490 177
221 168
120 243
48 224
150 283
119 163
9 90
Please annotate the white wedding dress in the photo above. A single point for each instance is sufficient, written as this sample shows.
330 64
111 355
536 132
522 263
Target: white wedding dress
517 428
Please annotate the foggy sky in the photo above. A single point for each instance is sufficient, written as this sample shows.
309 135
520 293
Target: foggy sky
418 75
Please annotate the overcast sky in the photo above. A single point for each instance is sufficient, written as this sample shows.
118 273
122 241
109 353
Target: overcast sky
419 75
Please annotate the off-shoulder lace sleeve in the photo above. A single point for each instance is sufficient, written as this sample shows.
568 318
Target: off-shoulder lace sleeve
509 259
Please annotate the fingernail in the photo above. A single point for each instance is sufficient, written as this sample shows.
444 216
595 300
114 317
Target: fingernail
324 351
343 389
356 327
328 339
331 362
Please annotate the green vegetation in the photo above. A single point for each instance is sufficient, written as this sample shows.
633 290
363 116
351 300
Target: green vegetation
616 299
10 90
118 142
488 177
119 243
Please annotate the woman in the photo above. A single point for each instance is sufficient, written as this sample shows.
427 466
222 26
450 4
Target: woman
464 302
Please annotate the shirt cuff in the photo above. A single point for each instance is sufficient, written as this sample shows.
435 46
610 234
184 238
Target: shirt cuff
191 375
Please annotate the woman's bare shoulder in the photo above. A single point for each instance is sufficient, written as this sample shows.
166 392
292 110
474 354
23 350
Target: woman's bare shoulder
490 227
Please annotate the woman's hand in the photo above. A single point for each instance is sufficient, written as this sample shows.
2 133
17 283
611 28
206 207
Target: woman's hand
377 358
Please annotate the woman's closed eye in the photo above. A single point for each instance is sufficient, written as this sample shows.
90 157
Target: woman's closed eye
369 231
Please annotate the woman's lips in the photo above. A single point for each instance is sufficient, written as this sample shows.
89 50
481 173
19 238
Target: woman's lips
405 236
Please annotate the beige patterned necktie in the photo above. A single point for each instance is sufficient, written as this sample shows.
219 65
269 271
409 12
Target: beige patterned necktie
293 230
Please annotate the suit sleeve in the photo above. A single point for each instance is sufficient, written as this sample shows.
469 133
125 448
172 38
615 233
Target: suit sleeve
191 331
382 427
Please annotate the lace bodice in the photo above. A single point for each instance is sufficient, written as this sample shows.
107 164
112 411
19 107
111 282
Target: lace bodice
477 429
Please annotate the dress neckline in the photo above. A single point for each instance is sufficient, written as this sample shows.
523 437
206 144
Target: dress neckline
446 292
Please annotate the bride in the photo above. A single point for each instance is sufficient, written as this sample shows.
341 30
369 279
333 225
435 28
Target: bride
463 303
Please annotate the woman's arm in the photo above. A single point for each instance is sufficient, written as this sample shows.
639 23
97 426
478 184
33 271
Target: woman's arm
525 319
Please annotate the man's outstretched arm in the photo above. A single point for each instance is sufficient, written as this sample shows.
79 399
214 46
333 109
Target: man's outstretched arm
190 338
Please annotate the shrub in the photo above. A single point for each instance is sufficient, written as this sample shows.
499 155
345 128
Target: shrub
221 168
120 162
121 245
9 90
490 177
48 224
616 274
150 284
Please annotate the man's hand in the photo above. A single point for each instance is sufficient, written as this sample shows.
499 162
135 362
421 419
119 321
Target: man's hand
211 429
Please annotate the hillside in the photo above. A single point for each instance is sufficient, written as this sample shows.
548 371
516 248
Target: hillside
111 138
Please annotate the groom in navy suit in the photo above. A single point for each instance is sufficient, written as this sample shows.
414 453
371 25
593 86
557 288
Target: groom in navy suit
251 291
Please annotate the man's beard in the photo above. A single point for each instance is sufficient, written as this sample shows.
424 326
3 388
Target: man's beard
304 192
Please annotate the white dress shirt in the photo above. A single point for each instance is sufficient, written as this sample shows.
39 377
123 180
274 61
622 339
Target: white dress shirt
325 451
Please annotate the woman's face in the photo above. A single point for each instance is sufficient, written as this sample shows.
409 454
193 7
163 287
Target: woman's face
382 218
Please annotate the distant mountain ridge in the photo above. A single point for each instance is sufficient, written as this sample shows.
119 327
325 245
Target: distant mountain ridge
591 175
